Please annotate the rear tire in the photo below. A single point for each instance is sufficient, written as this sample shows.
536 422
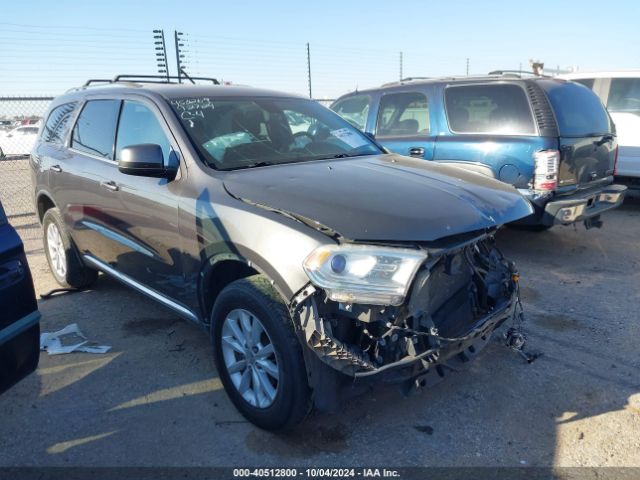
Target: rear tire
258 355
62 255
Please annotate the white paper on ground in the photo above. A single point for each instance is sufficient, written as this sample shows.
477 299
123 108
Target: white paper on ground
69 339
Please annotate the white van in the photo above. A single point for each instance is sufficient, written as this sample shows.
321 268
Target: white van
620 92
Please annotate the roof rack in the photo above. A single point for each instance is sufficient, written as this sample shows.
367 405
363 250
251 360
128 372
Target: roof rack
411 79
517 73
406 79
151 79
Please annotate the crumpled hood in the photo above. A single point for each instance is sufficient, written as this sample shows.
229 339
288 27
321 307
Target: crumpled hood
382 198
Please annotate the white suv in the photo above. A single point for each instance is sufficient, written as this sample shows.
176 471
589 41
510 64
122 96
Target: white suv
620 92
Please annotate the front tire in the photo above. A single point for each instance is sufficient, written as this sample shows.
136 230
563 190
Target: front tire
63 258
258 355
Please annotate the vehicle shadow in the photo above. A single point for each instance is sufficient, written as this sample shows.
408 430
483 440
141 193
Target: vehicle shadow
112 409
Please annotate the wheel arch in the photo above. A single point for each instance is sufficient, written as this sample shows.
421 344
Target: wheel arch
221 269
44 202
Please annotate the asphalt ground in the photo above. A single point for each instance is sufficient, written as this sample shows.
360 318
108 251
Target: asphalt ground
155 399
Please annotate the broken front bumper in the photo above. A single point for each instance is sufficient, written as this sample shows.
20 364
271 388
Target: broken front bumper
445 319
348 361
583 206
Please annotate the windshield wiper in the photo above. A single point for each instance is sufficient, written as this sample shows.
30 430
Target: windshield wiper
253 165
347 155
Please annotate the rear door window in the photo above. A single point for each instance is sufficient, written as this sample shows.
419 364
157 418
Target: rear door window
57 125
95 130
403 114
354 110
624 95
500 109
578 111
139 125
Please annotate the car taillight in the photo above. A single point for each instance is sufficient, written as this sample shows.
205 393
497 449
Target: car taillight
545 175
615 161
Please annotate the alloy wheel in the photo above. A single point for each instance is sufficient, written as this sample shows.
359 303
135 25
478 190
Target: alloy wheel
250 358
56 249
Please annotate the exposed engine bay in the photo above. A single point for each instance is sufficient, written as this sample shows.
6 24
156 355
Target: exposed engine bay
457 298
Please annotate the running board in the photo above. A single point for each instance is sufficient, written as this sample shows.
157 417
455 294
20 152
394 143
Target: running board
109 270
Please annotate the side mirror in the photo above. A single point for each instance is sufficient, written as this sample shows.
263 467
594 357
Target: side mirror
145 160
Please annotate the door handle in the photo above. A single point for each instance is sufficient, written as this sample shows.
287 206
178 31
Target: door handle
56 168
417 152
110 186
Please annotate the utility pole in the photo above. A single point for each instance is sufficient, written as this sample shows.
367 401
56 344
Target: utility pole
161 52
401 74
467 66
177 39
309 68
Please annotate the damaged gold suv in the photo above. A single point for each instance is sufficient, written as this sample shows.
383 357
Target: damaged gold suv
310 253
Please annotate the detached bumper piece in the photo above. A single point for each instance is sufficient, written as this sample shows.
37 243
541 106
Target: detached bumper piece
457 299
584 206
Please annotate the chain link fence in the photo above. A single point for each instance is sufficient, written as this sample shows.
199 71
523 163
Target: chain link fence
20 119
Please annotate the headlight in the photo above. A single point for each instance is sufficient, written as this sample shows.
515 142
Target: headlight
363 273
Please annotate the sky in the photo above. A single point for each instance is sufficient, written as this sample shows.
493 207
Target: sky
47 47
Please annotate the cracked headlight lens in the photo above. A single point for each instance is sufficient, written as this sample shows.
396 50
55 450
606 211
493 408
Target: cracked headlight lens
364 273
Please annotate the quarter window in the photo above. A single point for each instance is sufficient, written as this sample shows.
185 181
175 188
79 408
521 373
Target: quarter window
95 129
139 125
354 110
499 109
57 124
402 115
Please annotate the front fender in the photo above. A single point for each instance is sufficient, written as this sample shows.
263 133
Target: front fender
242 260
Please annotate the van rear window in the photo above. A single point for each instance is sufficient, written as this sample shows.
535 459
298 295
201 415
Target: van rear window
501 109
579 112
624 95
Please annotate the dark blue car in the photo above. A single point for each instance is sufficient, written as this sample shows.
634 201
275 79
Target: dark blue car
19 316
551 139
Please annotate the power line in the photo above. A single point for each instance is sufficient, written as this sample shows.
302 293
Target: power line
67 27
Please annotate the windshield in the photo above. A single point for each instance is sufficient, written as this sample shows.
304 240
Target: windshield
234 133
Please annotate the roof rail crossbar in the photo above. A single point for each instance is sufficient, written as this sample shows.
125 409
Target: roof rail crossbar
162 78
96 80
409 79
150 79
516 72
